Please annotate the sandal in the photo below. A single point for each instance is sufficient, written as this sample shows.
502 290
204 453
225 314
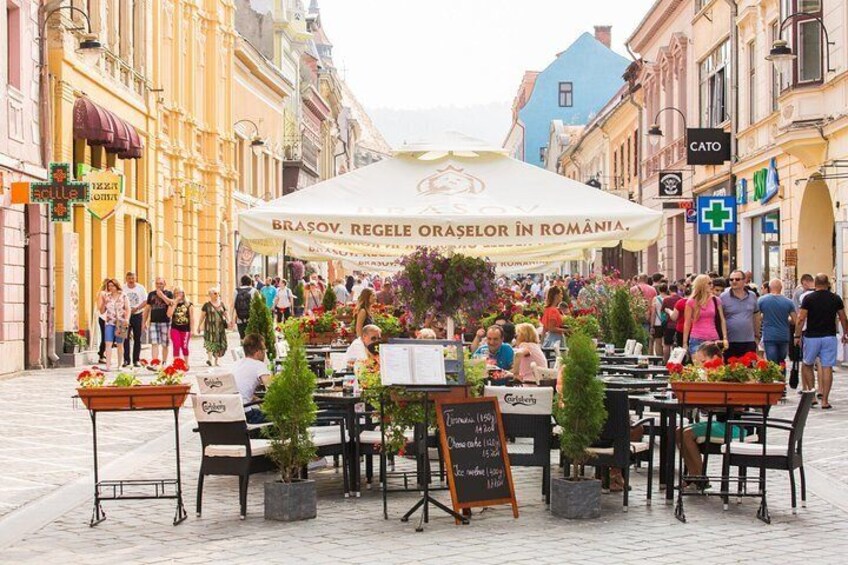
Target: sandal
826 407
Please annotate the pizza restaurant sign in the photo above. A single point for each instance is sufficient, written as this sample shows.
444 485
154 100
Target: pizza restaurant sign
766 185
107 189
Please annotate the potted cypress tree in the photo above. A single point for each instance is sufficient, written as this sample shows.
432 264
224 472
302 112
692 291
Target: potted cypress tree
299 298
579 410
623 326
261 322
329 300
288 404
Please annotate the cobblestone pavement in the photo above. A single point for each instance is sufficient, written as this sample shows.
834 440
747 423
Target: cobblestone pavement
353 530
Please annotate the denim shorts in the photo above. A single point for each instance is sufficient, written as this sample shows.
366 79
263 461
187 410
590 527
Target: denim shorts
109 335
823 348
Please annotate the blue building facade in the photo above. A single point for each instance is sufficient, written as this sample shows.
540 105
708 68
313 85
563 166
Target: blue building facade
573 88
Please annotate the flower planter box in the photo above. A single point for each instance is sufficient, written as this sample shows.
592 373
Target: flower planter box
323 338
345 318
728 394
142 397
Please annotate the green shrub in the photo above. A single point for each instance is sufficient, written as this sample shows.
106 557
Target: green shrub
261 322
329 300
579 408
622 324
288 404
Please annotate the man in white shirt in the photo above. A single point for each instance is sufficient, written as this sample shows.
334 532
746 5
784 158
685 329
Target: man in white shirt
358 349
137 296
283 302
249 373
356 290
342 295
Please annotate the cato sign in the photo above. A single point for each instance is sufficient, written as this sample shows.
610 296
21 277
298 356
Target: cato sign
107 190
716 215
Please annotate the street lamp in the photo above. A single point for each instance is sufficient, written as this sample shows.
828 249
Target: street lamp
89 48
256 142
655 133
781 53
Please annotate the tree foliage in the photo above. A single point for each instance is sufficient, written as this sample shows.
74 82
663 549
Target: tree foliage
329 300
261 322
288 404
579 408
621 320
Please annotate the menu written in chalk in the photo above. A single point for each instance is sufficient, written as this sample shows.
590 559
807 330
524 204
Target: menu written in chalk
473 441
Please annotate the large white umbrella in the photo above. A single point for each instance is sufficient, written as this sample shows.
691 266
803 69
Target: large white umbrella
457 193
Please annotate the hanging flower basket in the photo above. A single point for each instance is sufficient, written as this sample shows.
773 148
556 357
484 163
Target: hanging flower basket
141 397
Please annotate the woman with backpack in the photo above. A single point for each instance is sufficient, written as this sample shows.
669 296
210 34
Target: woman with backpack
703 317
241 304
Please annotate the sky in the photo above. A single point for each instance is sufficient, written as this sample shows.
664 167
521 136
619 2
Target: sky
420 65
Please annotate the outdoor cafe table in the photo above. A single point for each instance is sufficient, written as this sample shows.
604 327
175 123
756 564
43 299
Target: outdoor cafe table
630 384
325 349
635 371
345 403
629 359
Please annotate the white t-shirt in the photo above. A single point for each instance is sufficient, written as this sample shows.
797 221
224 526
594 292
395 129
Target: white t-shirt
248 373
137 296
283 298
356 291
356 351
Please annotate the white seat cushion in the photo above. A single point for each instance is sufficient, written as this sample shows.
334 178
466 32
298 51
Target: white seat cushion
751 438
375 437
324 439
257 447
600 451
332 431
738 448
251 427
635 447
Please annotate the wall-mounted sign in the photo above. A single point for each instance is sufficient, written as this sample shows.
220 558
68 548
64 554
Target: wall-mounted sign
687 205
790 257
60 193
707 146
716 215
766 182
107 190
195 192
771 223
742 192
671 184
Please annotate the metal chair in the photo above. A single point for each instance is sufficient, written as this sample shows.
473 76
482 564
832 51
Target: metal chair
782 457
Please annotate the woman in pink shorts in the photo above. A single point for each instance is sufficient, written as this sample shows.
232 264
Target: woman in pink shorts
180 312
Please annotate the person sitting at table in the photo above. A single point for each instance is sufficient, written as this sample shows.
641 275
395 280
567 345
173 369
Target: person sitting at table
426 333
495 351
249 372
688 439
527 351
360 348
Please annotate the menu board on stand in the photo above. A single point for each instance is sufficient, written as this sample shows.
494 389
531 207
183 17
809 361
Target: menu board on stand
474 447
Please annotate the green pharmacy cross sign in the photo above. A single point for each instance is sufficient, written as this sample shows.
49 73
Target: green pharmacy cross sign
716 215
60 193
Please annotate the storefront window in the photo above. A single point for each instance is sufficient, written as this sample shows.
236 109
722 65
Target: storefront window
765 251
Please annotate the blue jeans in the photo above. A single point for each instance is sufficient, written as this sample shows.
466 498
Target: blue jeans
776 350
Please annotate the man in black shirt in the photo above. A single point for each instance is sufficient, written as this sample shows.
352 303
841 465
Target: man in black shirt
819 310
157 322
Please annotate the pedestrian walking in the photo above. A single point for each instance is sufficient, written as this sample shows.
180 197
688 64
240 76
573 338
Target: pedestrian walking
101 324
777 312
807 284
313 296
269 293
157 322
241 304
283 301
660 319
742 315
115 307
819 310
180 313
137 296
703 316
342 295
645 290
552 318
213 324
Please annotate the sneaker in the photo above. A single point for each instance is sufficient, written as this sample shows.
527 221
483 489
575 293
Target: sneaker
126 364
101 359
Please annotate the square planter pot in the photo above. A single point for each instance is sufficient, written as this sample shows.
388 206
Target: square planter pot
290 502
575 500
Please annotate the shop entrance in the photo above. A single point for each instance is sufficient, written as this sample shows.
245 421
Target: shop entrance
816 249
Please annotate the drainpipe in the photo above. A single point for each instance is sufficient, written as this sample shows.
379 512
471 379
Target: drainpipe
45 122
734 80
638 148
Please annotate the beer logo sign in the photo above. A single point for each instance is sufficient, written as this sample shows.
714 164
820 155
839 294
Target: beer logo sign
450 181
107 189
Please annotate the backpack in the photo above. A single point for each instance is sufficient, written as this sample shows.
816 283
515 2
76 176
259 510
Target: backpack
242 303
662 315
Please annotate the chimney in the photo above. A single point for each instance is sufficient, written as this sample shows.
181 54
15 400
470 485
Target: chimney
604 35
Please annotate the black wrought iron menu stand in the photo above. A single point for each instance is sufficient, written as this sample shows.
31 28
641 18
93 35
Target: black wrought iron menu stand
163 489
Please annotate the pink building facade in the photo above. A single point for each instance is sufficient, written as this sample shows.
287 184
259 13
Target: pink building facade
23 229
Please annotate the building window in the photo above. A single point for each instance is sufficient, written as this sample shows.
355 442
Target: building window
566 95
715 70
699 5
752 83
13 45
806 33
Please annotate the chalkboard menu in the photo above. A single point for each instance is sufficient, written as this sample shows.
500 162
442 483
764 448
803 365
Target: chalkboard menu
474 447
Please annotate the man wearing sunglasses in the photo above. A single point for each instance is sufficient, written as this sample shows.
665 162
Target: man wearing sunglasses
743 317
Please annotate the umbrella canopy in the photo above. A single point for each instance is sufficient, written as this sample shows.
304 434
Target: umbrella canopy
457 193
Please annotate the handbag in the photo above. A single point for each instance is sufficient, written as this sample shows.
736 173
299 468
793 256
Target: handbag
122 329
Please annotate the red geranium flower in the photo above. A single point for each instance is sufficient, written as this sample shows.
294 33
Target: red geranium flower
81 333
762 364
179 364
713 364
155 362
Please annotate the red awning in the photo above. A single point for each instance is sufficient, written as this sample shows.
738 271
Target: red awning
99 126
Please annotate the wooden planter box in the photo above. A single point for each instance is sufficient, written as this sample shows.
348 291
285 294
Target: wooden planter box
324 338
142 397
728 394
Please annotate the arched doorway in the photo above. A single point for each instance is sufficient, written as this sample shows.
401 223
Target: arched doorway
815 230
